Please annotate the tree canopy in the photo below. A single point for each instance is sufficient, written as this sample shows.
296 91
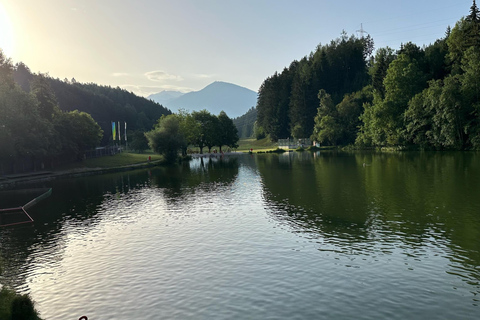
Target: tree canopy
33 129
340 94
175 132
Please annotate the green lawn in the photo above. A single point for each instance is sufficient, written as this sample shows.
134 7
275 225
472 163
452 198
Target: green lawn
118 160
257 145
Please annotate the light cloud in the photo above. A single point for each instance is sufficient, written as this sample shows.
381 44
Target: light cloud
120 74
161 76
203 76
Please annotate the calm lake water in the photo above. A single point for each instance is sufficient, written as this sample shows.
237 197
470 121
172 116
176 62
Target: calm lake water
292 236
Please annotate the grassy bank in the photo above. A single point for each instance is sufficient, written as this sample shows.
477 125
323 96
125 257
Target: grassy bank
118 160
257 145
14 306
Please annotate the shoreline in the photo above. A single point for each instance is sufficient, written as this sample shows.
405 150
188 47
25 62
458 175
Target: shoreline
216 155
8 181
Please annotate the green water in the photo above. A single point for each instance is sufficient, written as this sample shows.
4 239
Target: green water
293 236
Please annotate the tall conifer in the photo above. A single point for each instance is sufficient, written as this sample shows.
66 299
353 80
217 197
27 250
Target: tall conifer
474 13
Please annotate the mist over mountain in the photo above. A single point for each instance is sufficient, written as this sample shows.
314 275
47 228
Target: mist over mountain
217 96
164 97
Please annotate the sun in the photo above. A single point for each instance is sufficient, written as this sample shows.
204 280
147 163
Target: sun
6 33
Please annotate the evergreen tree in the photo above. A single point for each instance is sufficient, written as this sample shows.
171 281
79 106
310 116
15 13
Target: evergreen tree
47 102
379 67
474 13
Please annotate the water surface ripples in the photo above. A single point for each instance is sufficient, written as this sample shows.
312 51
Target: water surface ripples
239 240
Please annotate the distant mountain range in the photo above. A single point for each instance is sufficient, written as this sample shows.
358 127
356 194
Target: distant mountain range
164 97
215 97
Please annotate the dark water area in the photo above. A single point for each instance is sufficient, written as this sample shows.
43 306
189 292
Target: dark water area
295 236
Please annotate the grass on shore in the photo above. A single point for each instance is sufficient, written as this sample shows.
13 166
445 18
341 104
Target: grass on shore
118 160
257 145
15 306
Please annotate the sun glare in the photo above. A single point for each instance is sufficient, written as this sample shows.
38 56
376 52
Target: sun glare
6 33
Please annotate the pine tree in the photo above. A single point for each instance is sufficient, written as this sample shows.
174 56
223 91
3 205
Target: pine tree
474 18
474 13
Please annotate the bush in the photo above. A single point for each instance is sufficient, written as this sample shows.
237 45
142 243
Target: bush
278 150
16 307
313 149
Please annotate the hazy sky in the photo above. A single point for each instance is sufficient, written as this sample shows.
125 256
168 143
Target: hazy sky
147 46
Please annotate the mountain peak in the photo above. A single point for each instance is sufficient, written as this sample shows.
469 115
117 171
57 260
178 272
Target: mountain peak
163 97
215 97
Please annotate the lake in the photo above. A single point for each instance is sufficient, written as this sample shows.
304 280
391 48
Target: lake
329 235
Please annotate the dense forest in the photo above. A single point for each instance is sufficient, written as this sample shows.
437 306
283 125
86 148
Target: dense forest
245 124
103 103
341 94
46 121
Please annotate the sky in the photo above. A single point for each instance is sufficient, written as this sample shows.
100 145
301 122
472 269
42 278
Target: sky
147 46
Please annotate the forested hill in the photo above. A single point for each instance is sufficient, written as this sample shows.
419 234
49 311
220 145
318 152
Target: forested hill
427 97
288 101
103 103
246 124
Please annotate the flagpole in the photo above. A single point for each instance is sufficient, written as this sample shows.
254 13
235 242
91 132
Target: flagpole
126 142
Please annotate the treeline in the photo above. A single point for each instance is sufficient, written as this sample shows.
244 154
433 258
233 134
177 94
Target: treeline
176 132
34 131
339 95
246 124
288 102
46 121
103 103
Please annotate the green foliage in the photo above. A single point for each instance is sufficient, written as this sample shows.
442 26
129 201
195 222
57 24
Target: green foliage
464 35
6 71
278 150
138 142
176 132
246 124
23 131
427 97
166 138
190 128
227 132
379 67
313 149
273 104
446 114
288 102
298 132
47 102
339 124
259 132
16 307
435 59
104 103
383 121
78 132
209 128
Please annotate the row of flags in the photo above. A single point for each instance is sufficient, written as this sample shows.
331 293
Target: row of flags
116 128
